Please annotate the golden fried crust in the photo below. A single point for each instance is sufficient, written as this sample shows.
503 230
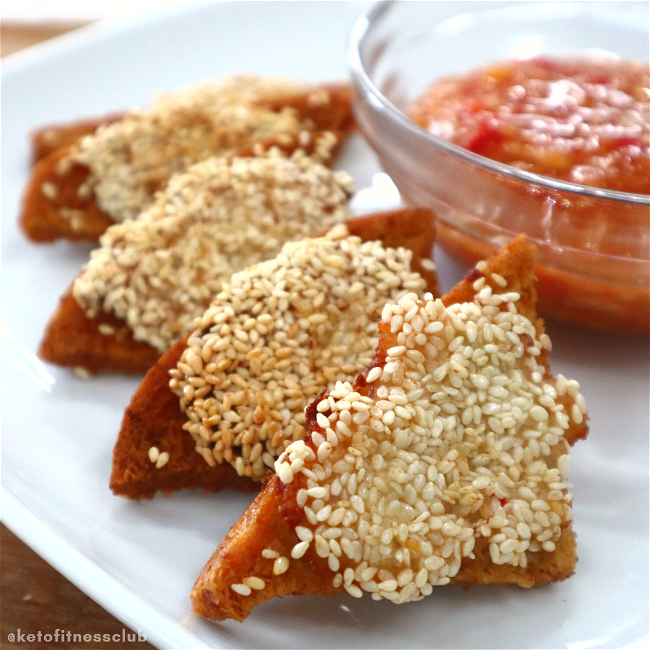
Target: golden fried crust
48 139
44 217
72 339
543 567
268 523
154 419
65 214
335 115
134 476
271 519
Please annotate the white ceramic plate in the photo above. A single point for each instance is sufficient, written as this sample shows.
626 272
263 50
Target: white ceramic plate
139 560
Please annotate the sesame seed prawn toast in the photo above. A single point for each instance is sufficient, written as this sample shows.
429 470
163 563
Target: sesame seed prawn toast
445 463
175 462
113 174
56 205
157 273
330 111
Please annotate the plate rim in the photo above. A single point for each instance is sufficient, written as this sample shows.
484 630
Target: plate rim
95 582
70 561
96 30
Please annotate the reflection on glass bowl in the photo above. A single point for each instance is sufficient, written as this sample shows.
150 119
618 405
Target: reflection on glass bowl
593 244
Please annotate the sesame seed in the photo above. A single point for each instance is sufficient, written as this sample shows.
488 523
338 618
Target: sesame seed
254 583
153 454
539 413
576 414
162 460
354 591
499 279
357 503
280 566
284 472
304 534
324 450
388 585
563 463
299 550
49 190
82 373
241 589
322 421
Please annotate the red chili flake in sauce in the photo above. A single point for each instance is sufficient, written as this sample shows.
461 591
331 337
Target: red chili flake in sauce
486 136
582 120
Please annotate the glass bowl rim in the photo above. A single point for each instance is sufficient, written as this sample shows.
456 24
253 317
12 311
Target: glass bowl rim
384 106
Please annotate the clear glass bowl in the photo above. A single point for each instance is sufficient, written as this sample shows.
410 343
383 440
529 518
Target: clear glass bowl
593 244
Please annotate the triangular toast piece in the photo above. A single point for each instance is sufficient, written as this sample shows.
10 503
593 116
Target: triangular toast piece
217 217
298 538
332 115
59 202
135 476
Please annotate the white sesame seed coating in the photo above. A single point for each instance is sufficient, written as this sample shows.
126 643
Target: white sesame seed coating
275 337
160 272
132 158
474 448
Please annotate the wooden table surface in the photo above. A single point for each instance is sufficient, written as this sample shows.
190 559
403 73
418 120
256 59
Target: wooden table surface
34 597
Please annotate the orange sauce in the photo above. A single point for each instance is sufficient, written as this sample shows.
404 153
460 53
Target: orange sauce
581 120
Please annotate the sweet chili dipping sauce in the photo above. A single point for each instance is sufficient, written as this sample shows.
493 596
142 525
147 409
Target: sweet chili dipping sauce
582 120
